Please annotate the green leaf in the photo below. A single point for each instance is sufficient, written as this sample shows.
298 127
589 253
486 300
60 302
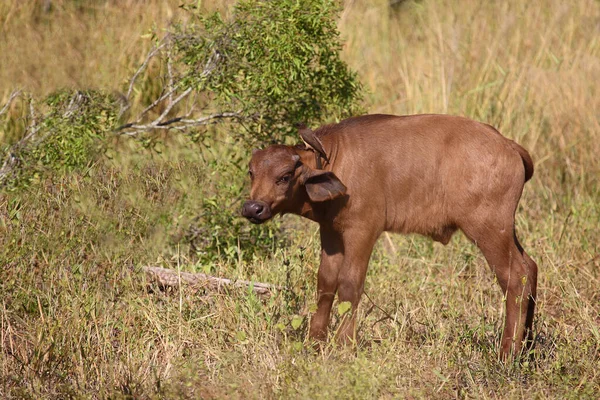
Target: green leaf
280 327
240 336
297 346
344 307
297 321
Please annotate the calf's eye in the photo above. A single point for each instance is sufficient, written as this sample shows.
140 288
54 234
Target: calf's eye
285 178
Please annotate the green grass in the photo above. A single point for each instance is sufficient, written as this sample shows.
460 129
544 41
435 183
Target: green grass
77 318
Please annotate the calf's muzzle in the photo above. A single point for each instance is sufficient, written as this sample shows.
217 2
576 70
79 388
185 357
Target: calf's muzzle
256 212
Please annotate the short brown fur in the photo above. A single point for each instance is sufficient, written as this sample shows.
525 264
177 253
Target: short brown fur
426 174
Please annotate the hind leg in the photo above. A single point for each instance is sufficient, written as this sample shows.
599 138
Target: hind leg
513 272
532 275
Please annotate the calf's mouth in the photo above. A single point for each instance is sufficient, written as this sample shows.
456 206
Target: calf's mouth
256 211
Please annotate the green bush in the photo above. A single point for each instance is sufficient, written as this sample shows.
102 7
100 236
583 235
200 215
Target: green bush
275 63
68 136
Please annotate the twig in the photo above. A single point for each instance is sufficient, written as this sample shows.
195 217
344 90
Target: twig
178 123
170 278
170 105
12 158
168 95
161 98
387 314
12 96
171 85
164 42
8 165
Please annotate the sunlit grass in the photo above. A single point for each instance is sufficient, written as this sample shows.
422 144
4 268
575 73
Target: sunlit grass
77 319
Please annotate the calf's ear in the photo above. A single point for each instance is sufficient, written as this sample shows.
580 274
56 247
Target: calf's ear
323 186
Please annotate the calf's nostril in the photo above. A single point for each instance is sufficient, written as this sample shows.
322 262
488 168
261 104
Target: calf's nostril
252 209
247 209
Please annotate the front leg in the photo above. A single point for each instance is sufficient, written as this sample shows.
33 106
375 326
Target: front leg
332 256
358 244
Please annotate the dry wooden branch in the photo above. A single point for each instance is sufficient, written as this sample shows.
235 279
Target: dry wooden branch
178 123
173 93
170 278
12 96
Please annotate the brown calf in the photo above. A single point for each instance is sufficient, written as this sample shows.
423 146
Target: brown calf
426 174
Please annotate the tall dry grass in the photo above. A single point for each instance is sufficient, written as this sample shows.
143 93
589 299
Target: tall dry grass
73 44
55 44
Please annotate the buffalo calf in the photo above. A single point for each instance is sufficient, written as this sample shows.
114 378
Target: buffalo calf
426 174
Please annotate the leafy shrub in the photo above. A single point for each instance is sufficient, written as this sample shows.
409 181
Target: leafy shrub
69 136
273 64
276 63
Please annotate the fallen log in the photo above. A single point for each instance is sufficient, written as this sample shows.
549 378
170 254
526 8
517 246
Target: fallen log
168 278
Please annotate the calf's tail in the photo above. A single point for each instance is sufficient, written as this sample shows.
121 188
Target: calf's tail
527 161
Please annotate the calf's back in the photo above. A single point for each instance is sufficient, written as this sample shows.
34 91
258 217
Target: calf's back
427 174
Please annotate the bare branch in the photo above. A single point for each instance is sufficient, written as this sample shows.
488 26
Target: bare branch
166 41
11 98
211 63
171 86
12 158
172 95
8 166
75 104
170 278
33 127
171 104
156 102
178 123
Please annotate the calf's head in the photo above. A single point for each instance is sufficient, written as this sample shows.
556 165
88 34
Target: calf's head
282 183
